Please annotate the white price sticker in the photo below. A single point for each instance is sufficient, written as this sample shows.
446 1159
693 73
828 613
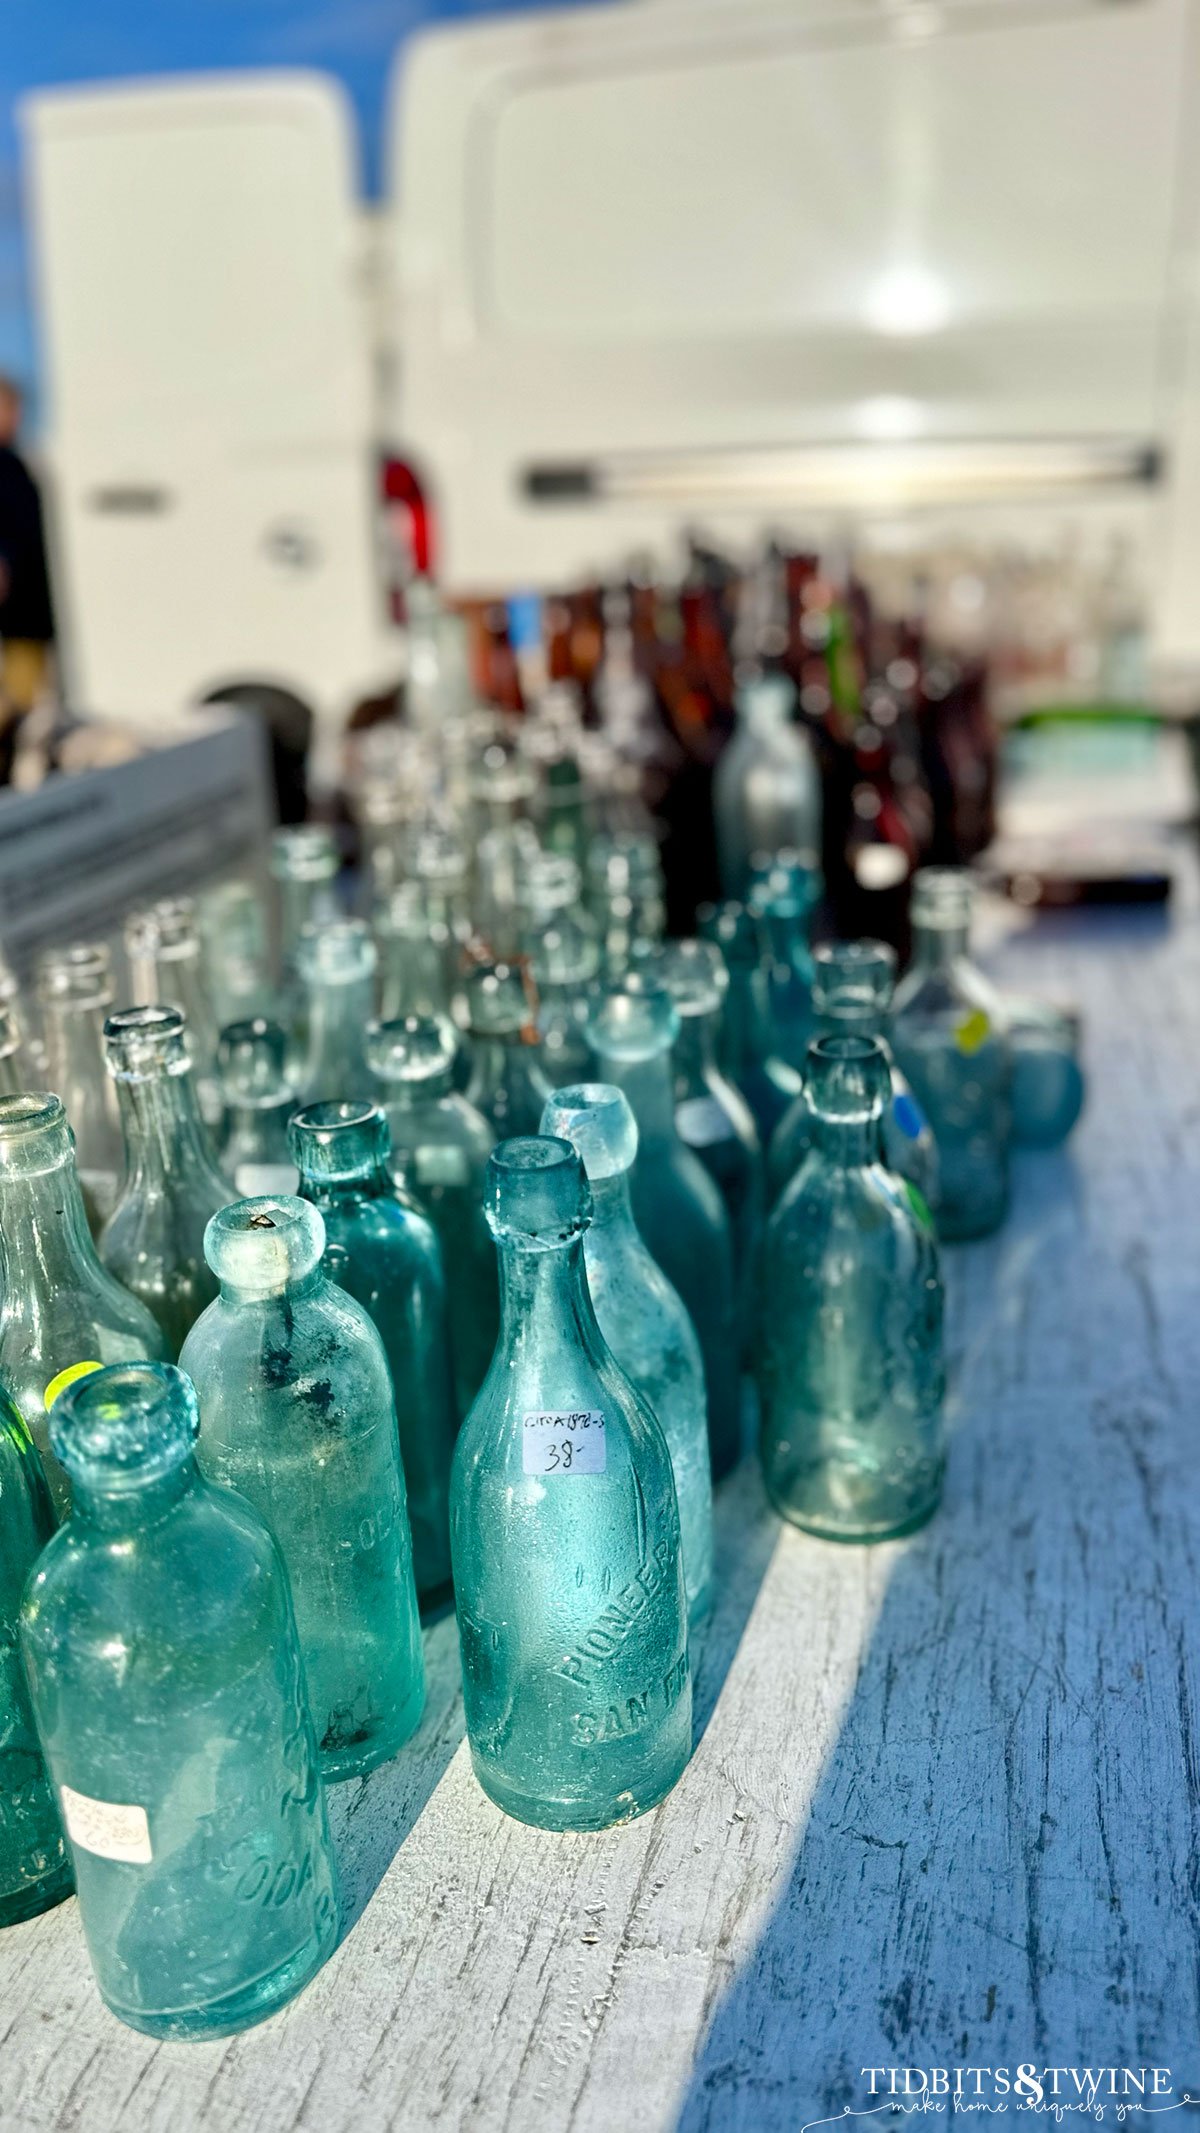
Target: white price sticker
110 1830
563 1441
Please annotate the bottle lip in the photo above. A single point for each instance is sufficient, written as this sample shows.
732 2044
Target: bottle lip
595 1117
339 952
853 976
693 972
143 1043
634 1019
30 1111
536 1196
497 1004
80 974
303 851
117 1428
259 1246
942 896
338 1139
413 1051
847 1077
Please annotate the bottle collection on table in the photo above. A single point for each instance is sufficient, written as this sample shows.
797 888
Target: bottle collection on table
446 1239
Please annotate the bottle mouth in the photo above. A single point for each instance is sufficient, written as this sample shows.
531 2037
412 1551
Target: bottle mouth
250 1056
118 1428
595 1117
853 977
141 1043
536 1195
340 953
942 897
338 1139
634 1020
303 853
416 1051
258 1246
497 1004
34 1134
80 976
693 973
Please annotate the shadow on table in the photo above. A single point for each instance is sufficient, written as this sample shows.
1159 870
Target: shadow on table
745 1530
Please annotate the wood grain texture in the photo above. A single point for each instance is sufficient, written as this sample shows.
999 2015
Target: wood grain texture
946 1802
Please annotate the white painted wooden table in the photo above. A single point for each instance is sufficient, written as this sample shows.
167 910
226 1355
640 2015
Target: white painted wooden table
944 1804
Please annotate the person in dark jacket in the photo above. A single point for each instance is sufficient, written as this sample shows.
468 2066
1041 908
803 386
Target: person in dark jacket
26 613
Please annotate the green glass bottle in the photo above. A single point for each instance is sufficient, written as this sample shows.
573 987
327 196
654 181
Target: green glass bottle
386 1255
299 1416
440 1149
337 971
644 1322
75 993
35 1870
259 1102
750 1052
153 1241
162 1655
568 1571
58 1305
508 1083
850 1363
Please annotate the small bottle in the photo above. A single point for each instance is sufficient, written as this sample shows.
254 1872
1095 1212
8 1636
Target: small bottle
568 1571
59 1307
75 993
508 1083
35 1869
337 971
440 1149
1047 1083
166 965
676 1205
767 790
948 1037
750 1052
852 992
296 1395
850 1363
387 1256
259 1102
643 1320
153 1241
162 1655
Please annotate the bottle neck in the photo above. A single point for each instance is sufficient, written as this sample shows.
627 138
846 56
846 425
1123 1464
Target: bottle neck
648 1085
131 1511
851 1018
165 1136
45 1242
748 1033
337 1020
367 1181
848 1143
612 1210
936 947
545 1307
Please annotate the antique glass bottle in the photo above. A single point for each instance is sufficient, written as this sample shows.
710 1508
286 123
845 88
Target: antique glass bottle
564 963
35 1869
783 895
853 984
58 1305
259 1102
676 1205
162 1655
508 1084
850 1364
948 1038
153 1241
568 1572
75 993
166 965
440 1148
233 930
298 1413
337 971
304 867
417 956
1047 1082
750 1053
644 1321
767 791
386 1255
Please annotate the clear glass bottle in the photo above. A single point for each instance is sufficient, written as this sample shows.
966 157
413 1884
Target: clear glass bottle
643 1320
153 1241
58 1305
15 1068
750 1053
1048 1086
259 1102
564 963
783 896
166 965
949 1040
508 1083
162 1655
417 956
233 928
75 993
850 1364
568 1571
852 992
440 1149
767 790
677 1206
35 1869
304 868
387 1256
337 971
296 1395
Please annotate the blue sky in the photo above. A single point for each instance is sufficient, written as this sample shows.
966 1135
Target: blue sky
85 40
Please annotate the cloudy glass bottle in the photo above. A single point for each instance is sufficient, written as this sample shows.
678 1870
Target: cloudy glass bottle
35 1869
850 1360
568 1569
165 1671
508 1083
783 896
259 1102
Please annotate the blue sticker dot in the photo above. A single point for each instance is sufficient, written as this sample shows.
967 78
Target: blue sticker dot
908 1115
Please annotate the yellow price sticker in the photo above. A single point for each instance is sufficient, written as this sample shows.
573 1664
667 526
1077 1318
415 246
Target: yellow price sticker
973 1031
67 1377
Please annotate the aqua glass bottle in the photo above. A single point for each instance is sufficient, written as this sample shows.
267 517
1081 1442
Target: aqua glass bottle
564 963
568 1571
783 896
153 1241
949 1040
508 1083
850 1361
162 1655
853 983
166 965
58 1305
35 1869
387 1256
678 1208
296 1396
440 1149
767 789
259 1102
643 1320
750 1051
1047 1084
75 993
337 971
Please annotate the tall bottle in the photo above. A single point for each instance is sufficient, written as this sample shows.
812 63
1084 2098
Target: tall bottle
782 897
166 961
676 1205
750 1051
259 1102
850 1368
440 1149
387 1256
58 1305
949 1040
336 964
299 1416
643 1320
508 1083
75 993
162 1656
153 1241
568 1571
304 867
35 1869
767 790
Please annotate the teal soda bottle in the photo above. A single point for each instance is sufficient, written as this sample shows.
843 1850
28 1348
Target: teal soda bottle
750 1051
568 1571
387 1256
440 1150
337 972
299 1416
677 1207
259 1102
644 1322
508 1084
783 896
165 1671
951 1046
850 1363
35 1869
153 1241
58 1305
853 982
1048 1083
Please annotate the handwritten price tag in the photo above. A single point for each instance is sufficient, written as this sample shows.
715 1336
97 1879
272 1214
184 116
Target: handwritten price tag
563 1441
